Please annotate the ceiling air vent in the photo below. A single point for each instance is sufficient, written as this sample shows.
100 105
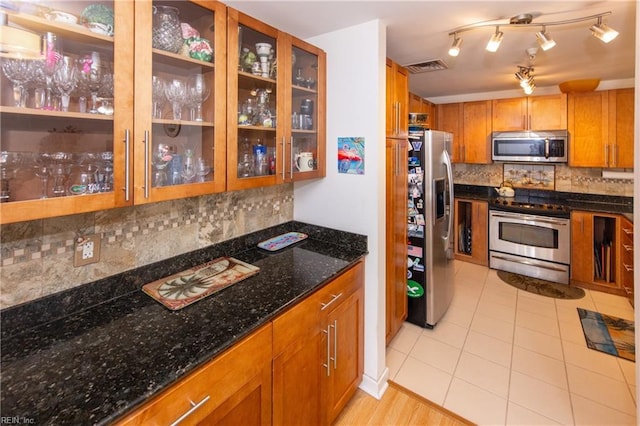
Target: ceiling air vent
427 66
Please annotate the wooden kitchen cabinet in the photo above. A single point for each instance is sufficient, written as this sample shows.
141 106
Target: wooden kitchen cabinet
470 124
318 352
476 132
262 104
471 223
68 162
600 126
420 105
397 100
530 113
597 251
234 389
396 236
450 120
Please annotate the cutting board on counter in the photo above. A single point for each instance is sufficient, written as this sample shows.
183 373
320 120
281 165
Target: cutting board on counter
182 289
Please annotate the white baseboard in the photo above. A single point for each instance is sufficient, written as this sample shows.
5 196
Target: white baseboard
375 388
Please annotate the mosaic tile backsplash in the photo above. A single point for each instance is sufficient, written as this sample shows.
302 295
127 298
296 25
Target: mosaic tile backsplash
566 179
37 256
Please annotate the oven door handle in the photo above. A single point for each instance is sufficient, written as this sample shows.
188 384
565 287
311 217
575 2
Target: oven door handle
526 262
524 217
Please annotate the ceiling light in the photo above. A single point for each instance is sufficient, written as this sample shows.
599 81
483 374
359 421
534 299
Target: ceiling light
524 75
495 41
455 47
603 32
545 40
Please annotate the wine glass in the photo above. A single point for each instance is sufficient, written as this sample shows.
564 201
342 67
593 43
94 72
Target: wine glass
65 78
106 171
42 169
91 75
10 164
197 92
51 55
19 72
60 169
160 160
188 167
202 169
157 95
176 93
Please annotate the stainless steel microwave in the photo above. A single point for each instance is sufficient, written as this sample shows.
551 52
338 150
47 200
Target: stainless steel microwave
530 146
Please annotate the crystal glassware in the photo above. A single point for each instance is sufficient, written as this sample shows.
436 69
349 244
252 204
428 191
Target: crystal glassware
60 169
167 32
42 170
176 93
91 75
197 92
65 78
188 167
202 169
10 163
157 96
51 55
19 72
161 158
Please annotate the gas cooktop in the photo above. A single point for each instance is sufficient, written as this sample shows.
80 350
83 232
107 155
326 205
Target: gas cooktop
538 206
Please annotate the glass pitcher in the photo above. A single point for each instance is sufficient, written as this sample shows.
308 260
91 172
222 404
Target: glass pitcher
167 33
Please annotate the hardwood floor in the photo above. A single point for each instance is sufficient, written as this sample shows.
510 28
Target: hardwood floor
398 406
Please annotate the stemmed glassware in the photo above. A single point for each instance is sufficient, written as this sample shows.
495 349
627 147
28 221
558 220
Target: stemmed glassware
197 92
157 95
91 75
202 169
176 93
105 180
52 53
19 72
161 158
65 78
42 169
60 169
10 164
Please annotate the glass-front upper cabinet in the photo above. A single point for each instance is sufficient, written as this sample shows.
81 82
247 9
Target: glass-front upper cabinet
180 87
306 108
65 116
255 138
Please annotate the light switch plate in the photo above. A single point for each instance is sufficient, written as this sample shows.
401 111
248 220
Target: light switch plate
87 250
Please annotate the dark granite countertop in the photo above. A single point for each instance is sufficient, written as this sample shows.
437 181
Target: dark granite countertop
574 201
91 354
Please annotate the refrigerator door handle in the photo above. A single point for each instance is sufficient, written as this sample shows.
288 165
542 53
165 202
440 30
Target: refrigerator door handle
447 162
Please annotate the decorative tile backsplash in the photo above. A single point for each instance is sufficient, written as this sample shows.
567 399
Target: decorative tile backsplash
530 176
37 256
566 179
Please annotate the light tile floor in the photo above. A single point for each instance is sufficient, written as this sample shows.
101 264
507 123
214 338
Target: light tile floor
502 356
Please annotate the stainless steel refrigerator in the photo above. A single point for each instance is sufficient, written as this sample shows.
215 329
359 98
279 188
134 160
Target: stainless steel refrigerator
430 226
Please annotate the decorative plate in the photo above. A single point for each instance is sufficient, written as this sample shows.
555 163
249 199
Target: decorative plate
184 288
281 241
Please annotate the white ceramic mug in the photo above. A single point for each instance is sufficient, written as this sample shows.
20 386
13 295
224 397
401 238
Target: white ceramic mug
304 161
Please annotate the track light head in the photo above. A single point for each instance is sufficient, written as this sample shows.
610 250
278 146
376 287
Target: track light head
495 41
545 40
603 32
454 50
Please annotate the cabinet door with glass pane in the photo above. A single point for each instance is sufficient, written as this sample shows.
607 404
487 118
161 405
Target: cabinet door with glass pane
255 138
179 145
65 108
305 130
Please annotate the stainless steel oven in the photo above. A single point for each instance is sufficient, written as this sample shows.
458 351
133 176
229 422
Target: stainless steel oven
529 244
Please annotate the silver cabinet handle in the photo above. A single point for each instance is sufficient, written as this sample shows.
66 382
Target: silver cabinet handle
615 155
334 298
147 155
291 157
127 166
335 343
327 365
606 154
193 408
284 158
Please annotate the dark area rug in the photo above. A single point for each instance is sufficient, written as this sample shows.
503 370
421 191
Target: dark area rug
611 335
541 287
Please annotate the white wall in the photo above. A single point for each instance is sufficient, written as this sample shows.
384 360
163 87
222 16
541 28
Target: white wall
356 78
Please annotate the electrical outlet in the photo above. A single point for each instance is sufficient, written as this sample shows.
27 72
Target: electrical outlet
87 250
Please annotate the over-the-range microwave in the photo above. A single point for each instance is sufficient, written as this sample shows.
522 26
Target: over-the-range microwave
532 146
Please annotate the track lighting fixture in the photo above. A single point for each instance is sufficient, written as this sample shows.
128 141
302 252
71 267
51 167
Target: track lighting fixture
524 75
495 40
603 32
545 40
455 47
599 30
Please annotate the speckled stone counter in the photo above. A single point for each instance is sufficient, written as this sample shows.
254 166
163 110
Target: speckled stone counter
91 354
574 201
